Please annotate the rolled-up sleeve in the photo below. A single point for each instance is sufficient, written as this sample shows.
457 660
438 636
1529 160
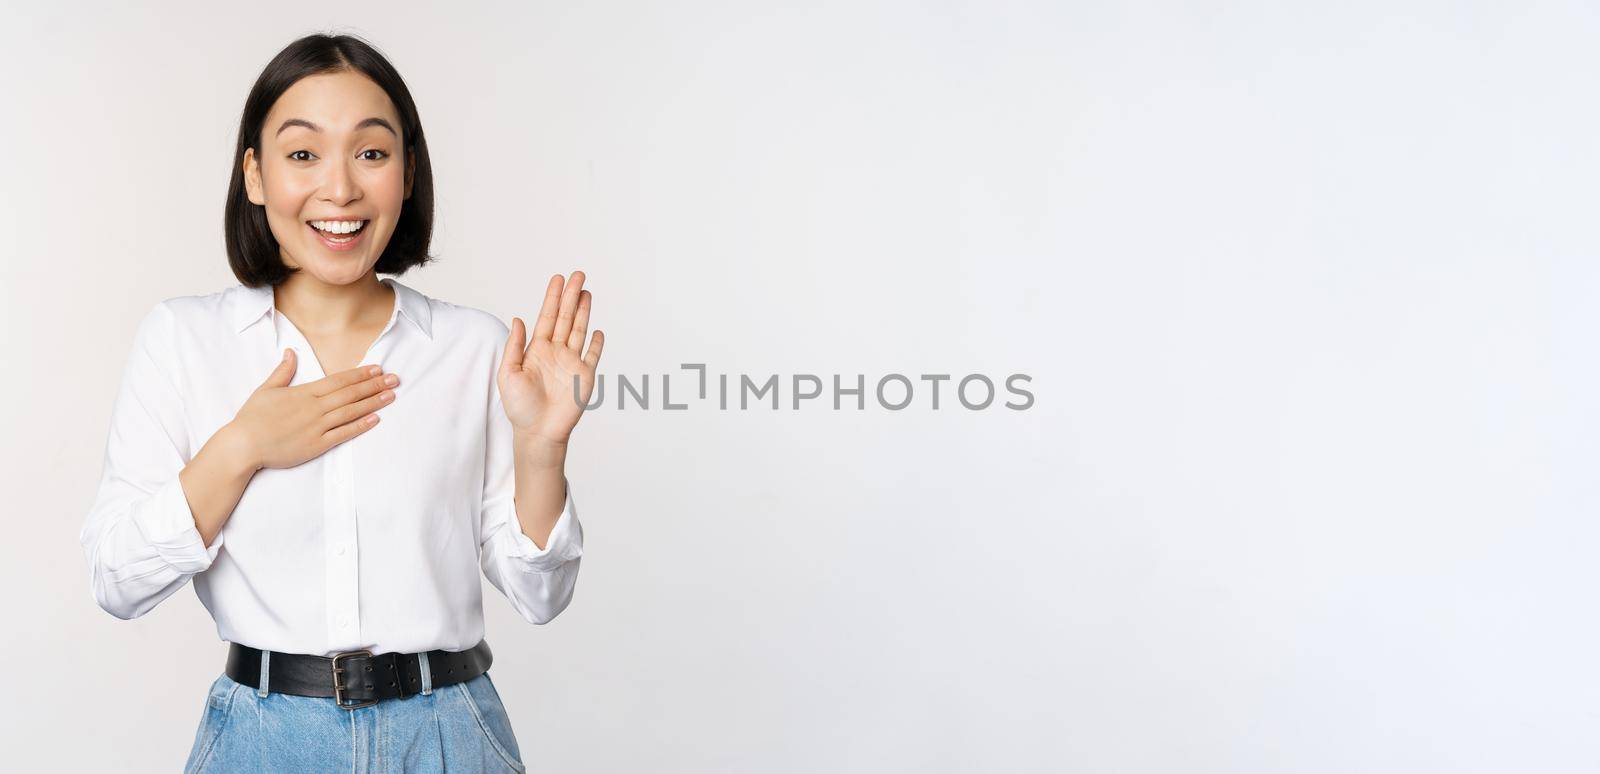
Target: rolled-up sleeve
140 537
538 582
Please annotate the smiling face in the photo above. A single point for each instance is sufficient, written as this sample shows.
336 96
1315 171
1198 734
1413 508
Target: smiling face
331 161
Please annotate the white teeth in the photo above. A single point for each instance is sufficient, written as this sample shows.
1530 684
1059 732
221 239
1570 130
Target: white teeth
338 226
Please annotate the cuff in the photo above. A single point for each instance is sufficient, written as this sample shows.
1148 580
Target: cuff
564 545
168 526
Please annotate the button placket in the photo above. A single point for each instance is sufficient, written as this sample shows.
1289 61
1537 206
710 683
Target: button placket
343 552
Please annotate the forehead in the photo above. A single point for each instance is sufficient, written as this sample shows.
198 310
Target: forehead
334 101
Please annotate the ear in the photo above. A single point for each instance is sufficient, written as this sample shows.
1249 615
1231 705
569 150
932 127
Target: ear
252 177
411 169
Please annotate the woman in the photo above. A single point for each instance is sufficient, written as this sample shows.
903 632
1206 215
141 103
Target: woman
349 589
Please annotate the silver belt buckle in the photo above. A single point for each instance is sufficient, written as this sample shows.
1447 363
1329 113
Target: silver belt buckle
339 688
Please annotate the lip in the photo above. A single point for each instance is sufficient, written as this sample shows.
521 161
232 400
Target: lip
339 247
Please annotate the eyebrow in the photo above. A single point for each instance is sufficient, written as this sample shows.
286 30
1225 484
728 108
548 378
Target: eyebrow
374 121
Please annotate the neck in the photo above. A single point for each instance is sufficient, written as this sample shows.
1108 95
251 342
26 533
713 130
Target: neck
318 307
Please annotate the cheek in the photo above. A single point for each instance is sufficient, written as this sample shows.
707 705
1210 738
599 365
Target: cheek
286 195
388 190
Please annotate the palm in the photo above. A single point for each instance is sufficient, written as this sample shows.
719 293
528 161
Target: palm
536 380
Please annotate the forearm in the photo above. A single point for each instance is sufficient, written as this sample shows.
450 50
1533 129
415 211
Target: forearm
215 480
541 485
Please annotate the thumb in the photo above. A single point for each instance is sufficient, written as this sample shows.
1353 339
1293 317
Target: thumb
511 358
284 373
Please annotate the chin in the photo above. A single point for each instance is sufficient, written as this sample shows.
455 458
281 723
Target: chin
337 272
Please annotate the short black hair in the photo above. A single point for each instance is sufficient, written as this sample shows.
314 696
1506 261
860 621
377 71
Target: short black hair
253 252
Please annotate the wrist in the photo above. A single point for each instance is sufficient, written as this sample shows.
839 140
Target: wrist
232 446
538 449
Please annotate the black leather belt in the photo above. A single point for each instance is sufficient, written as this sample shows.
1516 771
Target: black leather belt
356 678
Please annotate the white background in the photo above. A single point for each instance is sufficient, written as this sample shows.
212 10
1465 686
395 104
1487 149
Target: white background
1307 292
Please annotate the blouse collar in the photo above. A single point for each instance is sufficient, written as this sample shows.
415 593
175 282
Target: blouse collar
250 304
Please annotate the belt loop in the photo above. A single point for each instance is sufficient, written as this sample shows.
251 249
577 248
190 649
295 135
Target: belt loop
427 674
266 658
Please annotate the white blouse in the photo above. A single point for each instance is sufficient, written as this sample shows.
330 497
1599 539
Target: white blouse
376 543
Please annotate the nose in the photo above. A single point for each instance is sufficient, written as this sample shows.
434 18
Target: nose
339 187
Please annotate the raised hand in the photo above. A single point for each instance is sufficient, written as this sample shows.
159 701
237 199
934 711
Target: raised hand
283 426
536 380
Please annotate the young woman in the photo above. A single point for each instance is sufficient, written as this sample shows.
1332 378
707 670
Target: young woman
339 554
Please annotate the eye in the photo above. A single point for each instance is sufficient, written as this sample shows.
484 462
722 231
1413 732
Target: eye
381 154
292 155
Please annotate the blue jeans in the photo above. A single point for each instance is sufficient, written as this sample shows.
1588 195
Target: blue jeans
456 728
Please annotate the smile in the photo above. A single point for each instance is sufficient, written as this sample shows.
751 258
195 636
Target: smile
338 234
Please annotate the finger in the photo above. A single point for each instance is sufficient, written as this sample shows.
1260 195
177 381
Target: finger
580 322
362 389
569 307
511 359
547 313
347 431
596 342
353 411
283 374
338 381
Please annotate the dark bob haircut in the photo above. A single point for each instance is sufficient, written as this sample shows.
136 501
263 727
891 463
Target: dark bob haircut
253 252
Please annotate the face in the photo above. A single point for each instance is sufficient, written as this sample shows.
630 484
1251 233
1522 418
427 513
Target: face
331 159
